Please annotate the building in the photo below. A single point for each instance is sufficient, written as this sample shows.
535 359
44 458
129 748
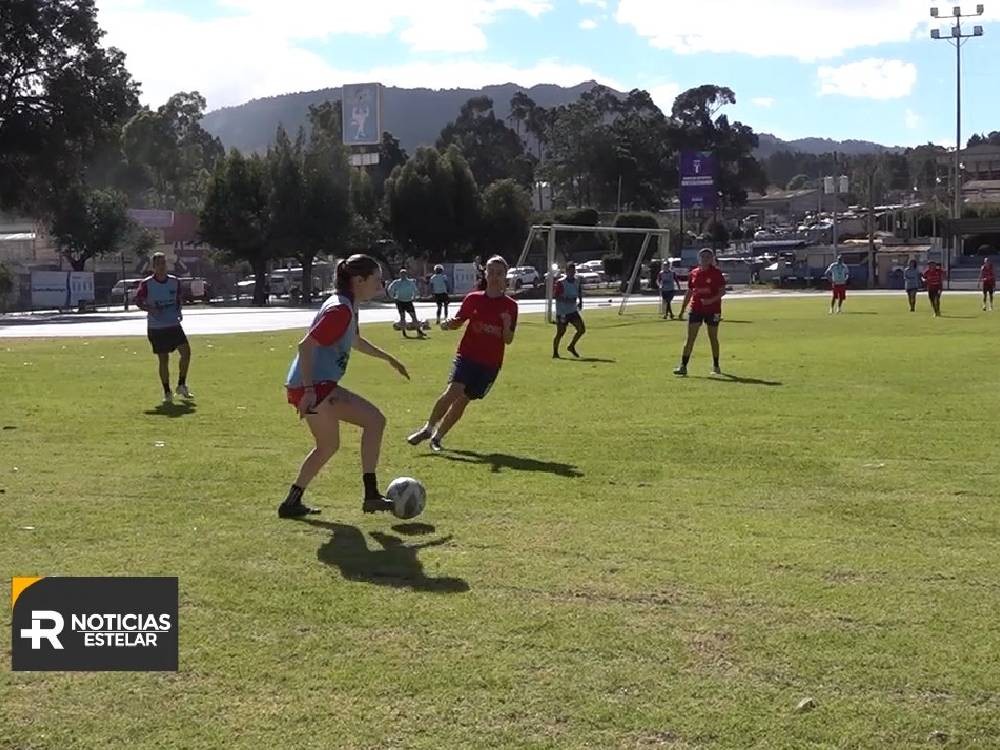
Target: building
978 162
793 203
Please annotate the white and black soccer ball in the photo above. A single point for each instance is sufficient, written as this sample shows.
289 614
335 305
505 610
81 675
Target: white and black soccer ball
408 497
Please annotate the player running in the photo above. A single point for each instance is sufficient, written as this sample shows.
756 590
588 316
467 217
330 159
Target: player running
987 282
404 290
313 385
667 282
568 294
912 279
492 318
839 274
439 288
934 279
160 296
706 288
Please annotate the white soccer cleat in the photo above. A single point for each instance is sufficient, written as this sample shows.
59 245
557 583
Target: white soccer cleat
716 370
183 392
168 397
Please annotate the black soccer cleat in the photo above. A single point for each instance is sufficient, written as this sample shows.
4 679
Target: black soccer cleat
436 445
296 510
572 350
376 504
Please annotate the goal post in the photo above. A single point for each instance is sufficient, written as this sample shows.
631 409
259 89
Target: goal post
550 232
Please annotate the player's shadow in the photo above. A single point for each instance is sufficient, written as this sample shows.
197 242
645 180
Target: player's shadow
414 529
590 359
498 461
728 378
391 563
173 410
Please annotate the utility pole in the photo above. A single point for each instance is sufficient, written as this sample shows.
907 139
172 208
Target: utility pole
957 39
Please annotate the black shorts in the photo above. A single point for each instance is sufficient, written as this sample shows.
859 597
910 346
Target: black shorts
710 319
989 287
933 294
667 296
166 340
574 318
406 307
442 298
477 378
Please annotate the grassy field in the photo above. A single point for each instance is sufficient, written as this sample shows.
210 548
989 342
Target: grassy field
610 557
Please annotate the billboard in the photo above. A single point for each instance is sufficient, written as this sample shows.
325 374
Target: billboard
698 180
61 289
362 114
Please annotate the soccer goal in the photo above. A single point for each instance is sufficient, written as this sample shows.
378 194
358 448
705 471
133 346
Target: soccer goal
551 267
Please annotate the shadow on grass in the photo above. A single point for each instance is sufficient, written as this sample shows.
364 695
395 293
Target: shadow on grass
414 529
173 410
571 358
392 563
498 461
727 378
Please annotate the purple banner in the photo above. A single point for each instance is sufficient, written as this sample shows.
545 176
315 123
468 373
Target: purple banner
698 180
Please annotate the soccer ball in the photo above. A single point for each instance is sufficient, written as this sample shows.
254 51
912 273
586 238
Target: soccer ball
408 497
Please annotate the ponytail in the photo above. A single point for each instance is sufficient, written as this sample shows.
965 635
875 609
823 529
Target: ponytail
357 266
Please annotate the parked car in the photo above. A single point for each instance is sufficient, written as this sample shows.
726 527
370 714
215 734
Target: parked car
520 276
118 291
589 278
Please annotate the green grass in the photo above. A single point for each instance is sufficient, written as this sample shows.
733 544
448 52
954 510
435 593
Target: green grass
629 560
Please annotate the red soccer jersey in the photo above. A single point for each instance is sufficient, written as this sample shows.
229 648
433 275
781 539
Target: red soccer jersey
483 340
934 278
986 274
705 283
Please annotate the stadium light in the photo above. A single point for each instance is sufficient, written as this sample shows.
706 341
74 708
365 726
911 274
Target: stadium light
958 38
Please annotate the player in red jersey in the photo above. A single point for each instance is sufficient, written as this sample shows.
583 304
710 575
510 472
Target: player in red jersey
934 279
492 318
706 288
987 282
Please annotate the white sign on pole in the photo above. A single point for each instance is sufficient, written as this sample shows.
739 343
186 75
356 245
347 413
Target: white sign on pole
463 277
362 114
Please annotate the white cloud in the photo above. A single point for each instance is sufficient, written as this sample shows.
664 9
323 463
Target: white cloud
804 29
912 119
663 95
764 102
588 24
596 3
235 58
872 78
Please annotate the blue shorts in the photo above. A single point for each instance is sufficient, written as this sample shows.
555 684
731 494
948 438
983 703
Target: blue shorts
477 378
710 319
667 296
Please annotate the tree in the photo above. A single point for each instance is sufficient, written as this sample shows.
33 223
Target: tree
326 203
493 150
89 222
432 204
993 139
390 156
328 117
506 215
798 182
629 245
63 97
236 215
172 151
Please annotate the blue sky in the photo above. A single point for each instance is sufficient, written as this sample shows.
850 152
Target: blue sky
862 69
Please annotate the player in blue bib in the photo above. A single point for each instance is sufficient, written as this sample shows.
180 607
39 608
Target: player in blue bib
160 296
313 385
568 295
440 288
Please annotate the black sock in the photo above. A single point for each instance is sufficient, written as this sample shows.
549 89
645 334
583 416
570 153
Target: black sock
181 381
294 495
166 387
685 359
371 486
716 361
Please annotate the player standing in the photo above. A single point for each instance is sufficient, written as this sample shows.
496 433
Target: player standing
934 279
160 296
912 279
667 282
839 274
439 288
987 282
568 294
492 318
313 385
706 288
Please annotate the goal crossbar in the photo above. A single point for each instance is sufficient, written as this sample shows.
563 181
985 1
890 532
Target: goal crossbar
553 229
